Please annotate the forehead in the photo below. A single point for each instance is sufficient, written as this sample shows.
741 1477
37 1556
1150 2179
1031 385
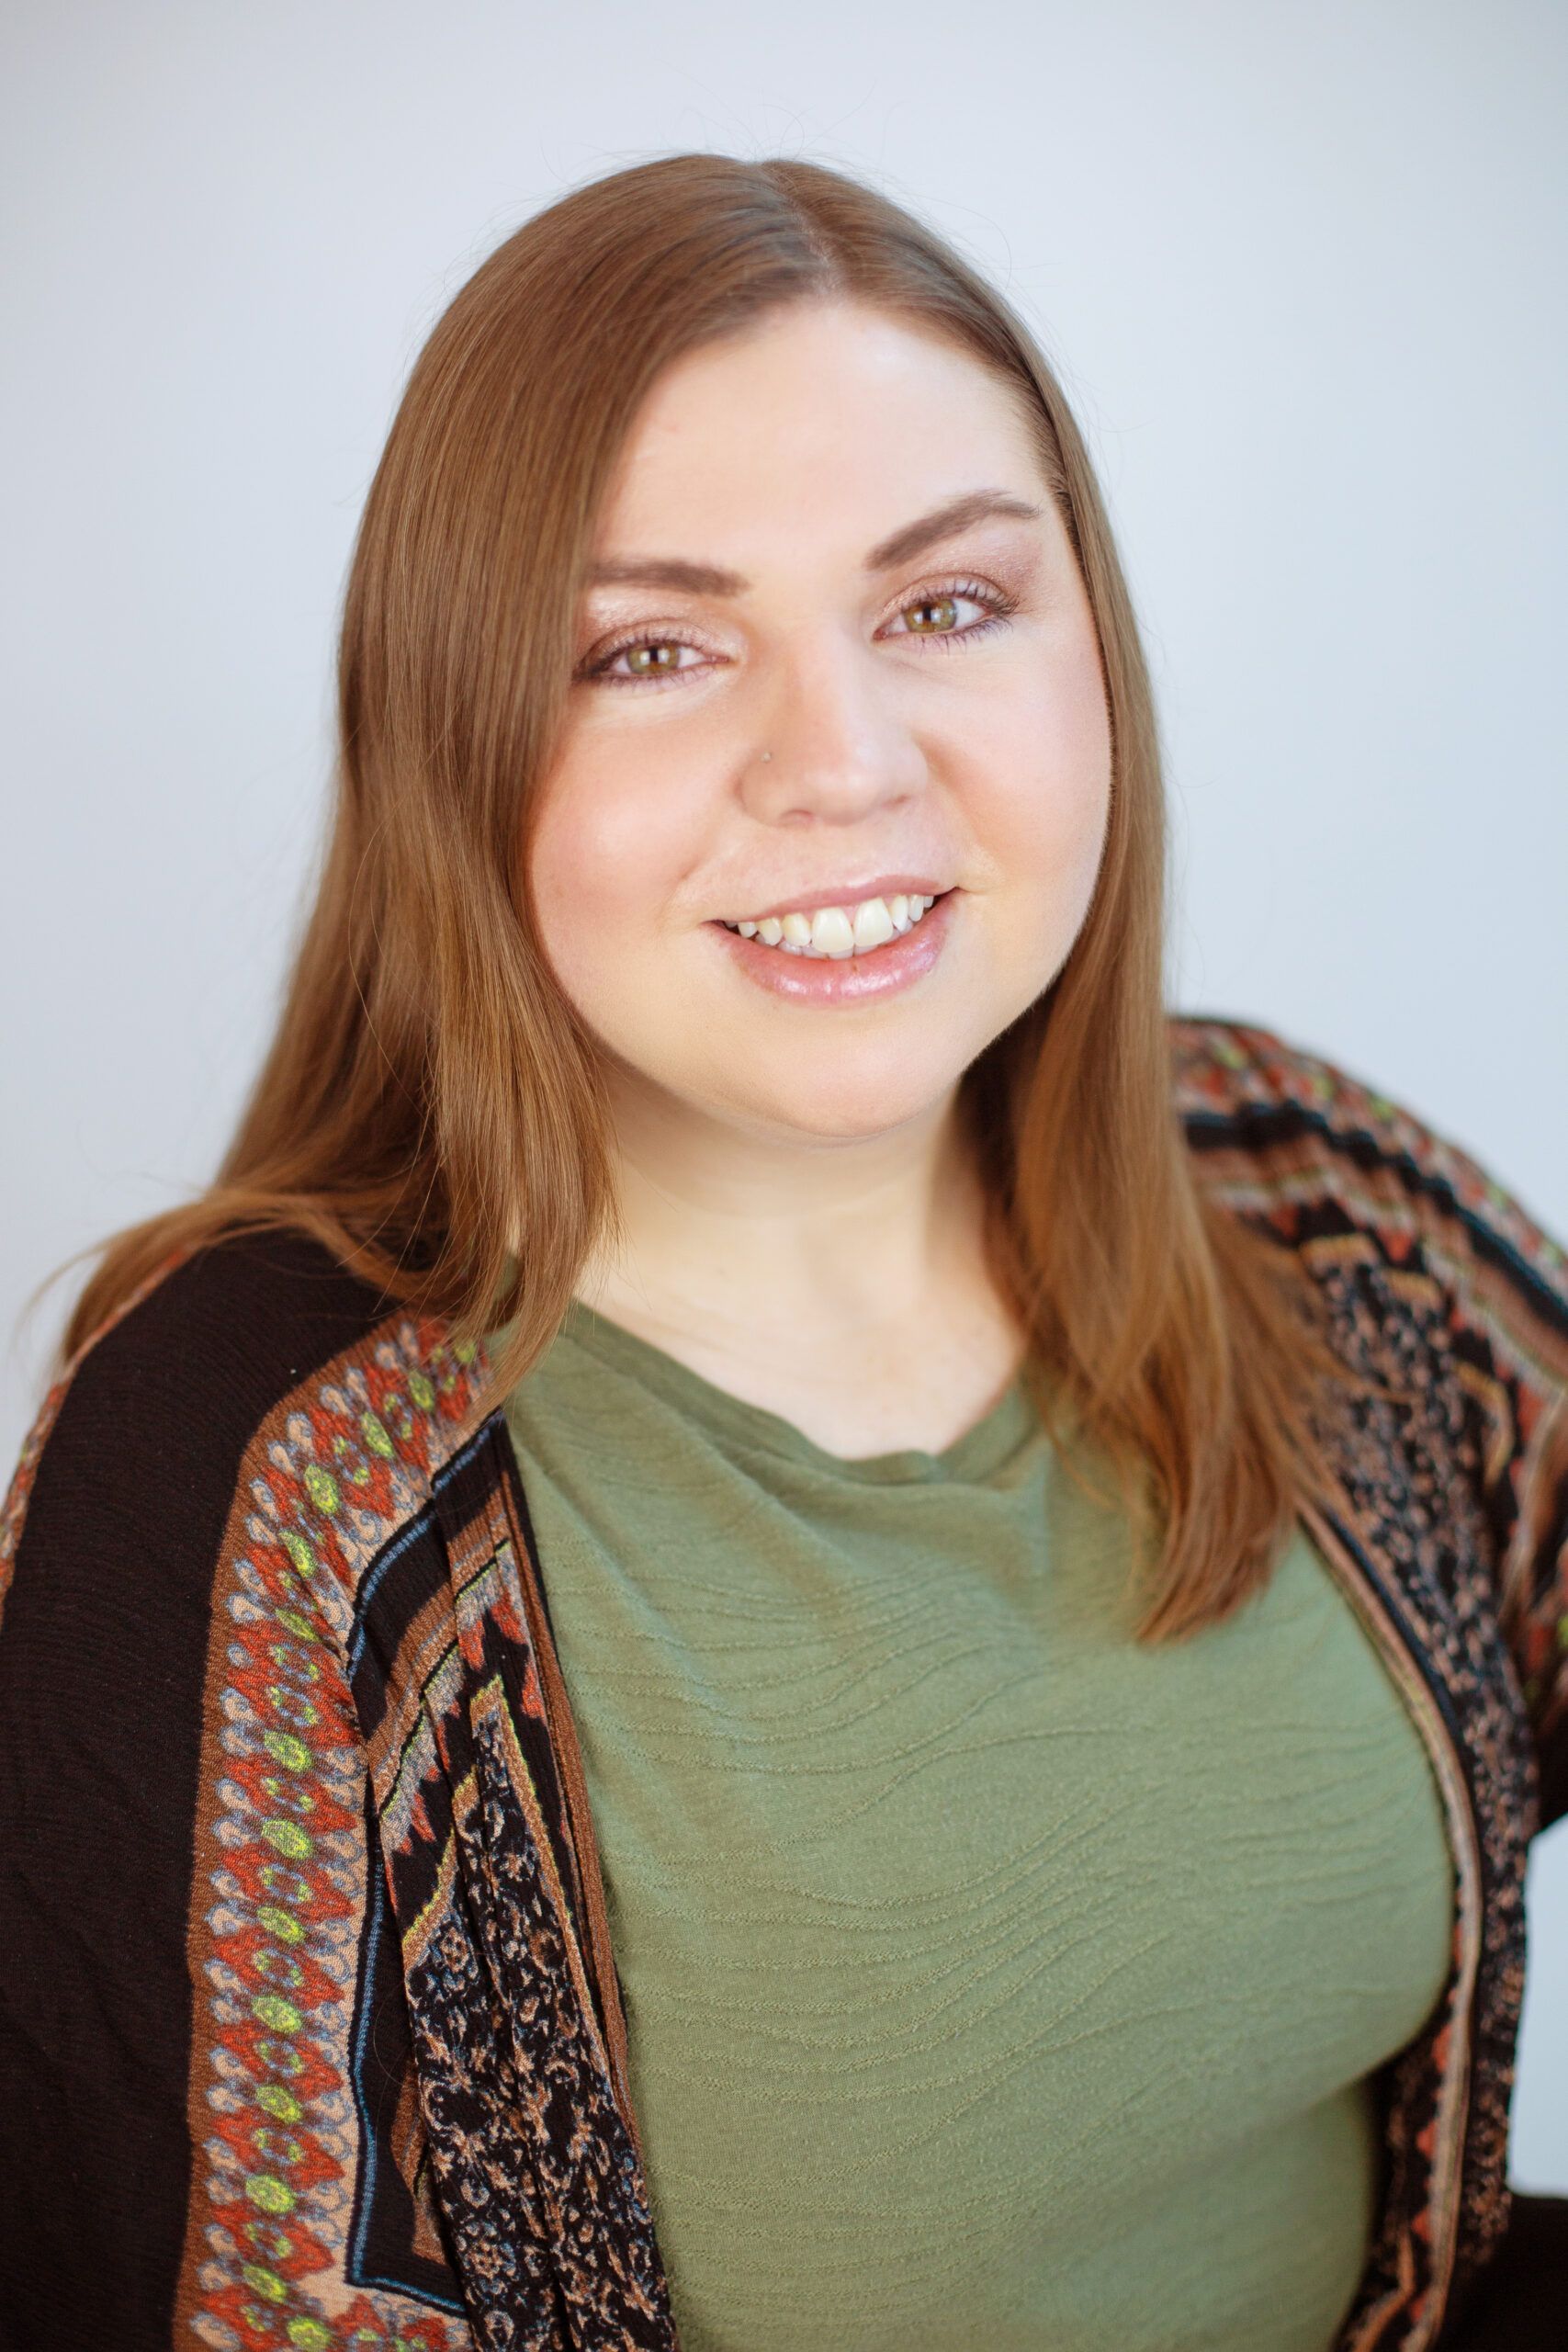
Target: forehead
828 417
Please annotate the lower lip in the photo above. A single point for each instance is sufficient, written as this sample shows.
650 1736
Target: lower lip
845 979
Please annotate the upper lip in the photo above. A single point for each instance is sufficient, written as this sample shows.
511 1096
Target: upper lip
838 894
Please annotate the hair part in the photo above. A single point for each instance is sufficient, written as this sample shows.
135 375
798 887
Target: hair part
430 1097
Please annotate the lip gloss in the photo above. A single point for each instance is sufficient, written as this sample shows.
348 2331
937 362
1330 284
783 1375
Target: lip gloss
844 979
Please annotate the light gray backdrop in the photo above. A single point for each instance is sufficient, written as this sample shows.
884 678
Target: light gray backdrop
1303 270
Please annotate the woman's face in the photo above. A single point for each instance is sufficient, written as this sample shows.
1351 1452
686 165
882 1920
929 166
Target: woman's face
929 697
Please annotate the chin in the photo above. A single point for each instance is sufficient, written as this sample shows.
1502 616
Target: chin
847 1110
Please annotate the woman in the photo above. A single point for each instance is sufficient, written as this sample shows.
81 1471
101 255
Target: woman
784 1625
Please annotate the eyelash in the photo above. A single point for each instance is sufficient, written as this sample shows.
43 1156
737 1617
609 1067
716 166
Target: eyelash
1000 606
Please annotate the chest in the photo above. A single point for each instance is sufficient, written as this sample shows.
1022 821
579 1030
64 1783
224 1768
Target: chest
925 1882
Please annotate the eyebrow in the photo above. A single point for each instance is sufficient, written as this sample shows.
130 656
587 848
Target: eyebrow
709 580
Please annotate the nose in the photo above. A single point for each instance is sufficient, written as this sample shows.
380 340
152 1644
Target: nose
837 750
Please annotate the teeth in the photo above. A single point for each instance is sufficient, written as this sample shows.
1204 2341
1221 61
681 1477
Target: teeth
872 925
832 933
838 930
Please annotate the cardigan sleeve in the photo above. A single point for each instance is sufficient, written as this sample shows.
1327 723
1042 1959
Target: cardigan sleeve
1503 1279
203 2044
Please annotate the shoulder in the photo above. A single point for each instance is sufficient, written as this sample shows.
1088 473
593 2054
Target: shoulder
1296 1135
1235 1081
1356 1181
240 1370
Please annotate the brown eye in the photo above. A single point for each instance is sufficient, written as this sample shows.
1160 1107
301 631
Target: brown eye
945 606
647 660
935 617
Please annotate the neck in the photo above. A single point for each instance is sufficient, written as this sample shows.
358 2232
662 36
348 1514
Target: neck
730 1233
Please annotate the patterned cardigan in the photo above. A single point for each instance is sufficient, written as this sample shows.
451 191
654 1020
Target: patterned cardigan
310 2034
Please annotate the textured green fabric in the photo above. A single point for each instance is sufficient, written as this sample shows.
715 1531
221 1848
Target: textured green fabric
990 1981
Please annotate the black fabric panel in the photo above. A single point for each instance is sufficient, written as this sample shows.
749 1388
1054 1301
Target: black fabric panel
103 1649
1555 1777
382 2239
1521 2301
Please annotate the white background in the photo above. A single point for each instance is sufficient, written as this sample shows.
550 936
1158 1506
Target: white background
1302 269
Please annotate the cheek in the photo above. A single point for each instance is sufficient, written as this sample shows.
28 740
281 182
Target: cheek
605 858
1051 795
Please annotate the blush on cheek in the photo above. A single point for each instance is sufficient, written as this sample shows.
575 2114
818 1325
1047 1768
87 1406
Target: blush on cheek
614 841
585 881
1048 785
1077 755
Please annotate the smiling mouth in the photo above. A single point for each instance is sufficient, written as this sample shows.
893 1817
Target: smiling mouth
839 932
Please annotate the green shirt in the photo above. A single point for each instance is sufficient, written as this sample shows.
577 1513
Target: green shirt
990 1981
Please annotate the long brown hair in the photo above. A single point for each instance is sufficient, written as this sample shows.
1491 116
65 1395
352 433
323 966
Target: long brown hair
430 1097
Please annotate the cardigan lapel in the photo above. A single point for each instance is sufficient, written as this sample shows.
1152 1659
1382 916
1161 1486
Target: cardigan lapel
1403 2290
1408 1542
481 1819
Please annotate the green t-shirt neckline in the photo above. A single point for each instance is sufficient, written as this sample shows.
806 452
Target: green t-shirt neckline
982 1450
